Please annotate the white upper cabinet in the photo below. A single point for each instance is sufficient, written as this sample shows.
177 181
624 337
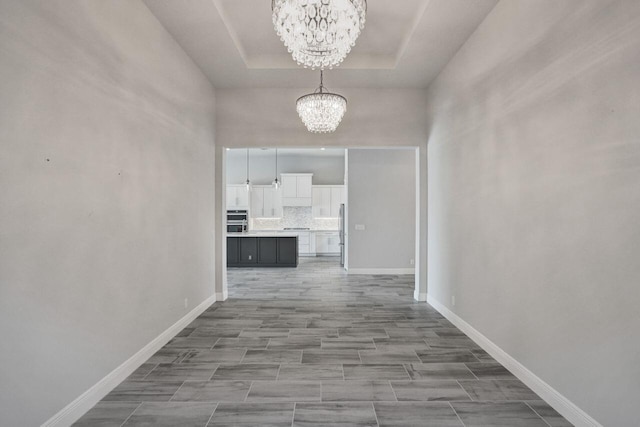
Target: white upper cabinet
237 197
257 202
304 186
266 202
289 186
326 200
296 189
272 203
321 203
337 198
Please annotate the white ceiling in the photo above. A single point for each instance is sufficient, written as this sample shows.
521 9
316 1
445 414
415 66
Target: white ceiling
405 43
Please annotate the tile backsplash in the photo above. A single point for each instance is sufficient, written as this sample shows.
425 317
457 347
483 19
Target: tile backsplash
295 217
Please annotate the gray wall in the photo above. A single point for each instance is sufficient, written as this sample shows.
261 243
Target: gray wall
268 118
326 169
106 182
382 197
534 195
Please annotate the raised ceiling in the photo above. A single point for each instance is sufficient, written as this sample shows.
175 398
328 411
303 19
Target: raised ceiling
405 43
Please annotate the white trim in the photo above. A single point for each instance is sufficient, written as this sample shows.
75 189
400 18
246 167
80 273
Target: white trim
564 406
385 271
418 296
416 259
76 409
222 296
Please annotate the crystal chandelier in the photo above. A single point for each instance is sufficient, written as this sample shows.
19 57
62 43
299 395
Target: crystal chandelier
319 33
321 112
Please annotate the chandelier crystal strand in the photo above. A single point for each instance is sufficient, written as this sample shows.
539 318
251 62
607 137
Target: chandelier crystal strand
321 112
319 33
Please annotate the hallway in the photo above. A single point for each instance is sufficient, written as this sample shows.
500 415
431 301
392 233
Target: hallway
312 346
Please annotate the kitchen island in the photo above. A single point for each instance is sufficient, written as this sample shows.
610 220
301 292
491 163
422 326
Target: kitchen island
262 250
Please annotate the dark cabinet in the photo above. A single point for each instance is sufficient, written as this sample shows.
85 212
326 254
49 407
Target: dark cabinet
233 254
248 250
262 251
267 250
288 250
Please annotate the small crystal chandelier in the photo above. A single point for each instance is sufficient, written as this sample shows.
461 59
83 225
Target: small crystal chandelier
319 33
321 112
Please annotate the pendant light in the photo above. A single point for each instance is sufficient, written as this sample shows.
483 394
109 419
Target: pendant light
276 182
320 111
248 183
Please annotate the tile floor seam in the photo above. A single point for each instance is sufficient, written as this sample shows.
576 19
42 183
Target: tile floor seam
214 344
214 372
293 415
536 412
248 391
127 419
375 414
465 390
472 373
148 373
457 415
394 391
176 392
404 366
211 416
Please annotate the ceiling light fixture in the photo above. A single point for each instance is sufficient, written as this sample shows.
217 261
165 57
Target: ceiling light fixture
319 33
276 183
248 183
321 112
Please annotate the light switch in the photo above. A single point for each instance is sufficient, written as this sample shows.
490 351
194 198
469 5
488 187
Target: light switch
360 227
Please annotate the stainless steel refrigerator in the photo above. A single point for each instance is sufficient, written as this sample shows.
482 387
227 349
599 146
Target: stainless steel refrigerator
341 226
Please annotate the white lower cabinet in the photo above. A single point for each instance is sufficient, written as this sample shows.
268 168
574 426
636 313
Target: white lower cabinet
304 244
327 242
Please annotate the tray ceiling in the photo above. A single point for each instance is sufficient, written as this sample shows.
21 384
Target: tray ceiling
405 43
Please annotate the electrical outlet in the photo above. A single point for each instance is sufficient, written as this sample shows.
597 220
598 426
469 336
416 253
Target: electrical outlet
186 302
360 227
453 300
413 262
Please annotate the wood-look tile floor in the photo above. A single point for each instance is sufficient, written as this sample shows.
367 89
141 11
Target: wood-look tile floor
314 347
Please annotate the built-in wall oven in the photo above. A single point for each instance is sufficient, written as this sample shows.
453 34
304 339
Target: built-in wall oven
237 221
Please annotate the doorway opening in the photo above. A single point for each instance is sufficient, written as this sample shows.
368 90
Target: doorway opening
345 211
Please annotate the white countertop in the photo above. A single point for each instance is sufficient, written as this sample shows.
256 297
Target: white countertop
263 234
293 231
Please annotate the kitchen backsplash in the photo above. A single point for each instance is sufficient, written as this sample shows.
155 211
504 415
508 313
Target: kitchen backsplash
295 217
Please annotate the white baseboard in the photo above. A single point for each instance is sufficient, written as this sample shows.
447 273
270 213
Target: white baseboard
564 406
386 271
222 296
76 409
419 296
